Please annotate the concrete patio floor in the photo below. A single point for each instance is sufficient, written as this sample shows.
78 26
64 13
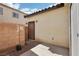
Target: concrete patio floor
54 49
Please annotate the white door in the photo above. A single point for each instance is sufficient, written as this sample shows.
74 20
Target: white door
78 26
75 29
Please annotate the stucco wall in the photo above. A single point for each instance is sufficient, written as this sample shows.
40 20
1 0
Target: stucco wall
8 16
52 26
9 35
9 28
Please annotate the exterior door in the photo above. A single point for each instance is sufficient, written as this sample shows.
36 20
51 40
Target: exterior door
75 29
31 30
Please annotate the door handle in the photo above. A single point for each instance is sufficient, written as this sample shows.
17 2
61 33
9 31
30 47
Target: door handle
77 34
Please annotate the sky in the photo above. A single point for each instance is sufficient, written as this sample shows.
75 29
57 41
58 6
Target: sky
30 7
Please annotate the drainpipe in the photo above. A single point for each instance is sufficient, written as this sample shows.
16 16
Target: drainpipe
18 47
19 34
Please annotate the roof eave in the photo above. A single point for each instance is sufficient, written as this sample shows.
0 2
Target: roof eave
46 9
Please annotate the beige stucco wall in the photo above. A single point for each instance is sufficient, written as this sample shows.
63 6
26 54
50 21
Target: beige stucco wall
8 16
52 26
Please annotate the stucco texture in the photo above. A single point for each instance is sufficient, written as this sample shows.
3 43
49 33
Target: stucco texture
8 16
10 35
52 26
